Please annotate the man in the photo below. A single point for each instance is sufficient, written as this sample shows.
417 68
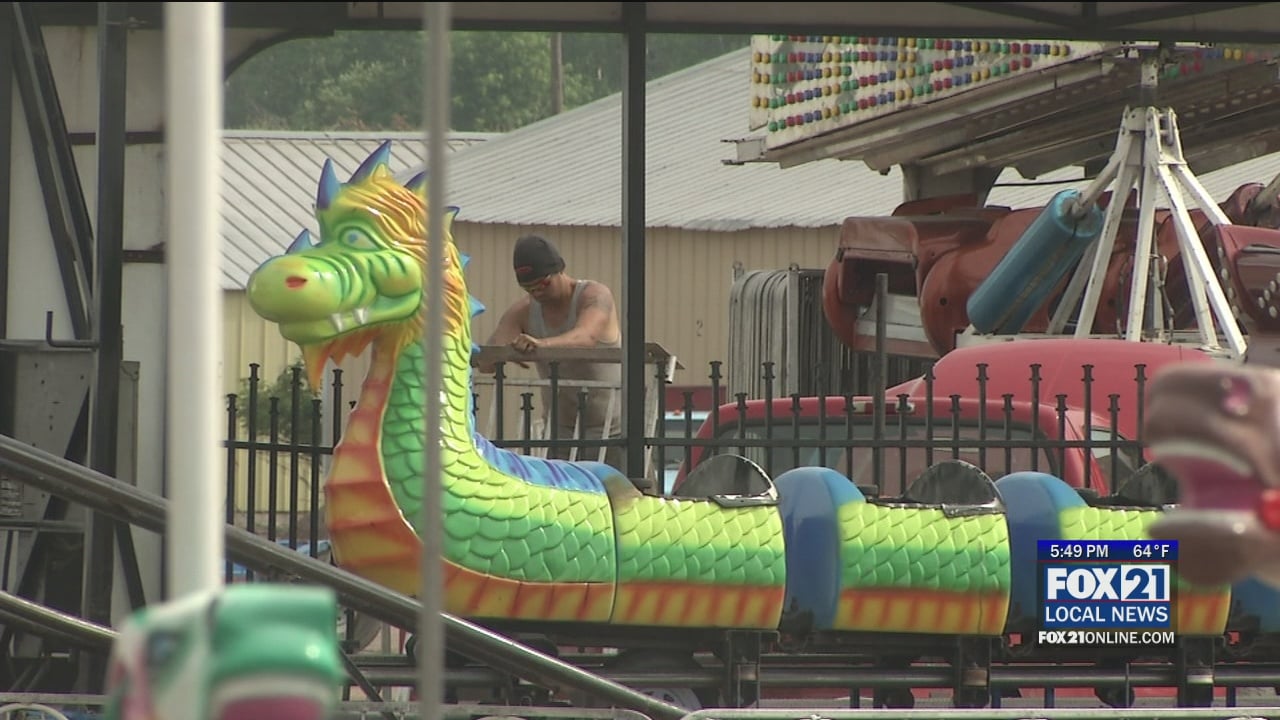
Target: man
558 311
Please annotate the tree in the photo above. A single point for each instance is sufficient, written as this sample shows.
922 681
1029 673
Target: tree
373 80
282 390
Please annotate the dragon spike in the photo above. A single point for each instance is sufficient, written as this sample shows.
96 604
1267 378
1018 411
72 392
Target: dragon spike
464 260
417 182
477 307
381 156
330 186
304 241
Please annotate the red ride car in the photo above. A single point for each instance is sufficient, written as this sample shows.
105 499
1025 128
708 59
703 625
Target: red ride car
1028 430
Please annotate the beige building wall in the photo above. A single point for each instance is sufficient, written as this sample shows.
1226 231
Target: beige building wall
690 275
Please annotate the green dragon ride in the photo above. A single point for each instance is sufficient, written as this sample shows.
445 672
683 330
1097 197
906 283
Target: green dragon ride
555 541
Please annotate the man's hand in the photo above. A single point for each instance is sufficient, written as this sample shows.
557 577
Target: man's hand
525 343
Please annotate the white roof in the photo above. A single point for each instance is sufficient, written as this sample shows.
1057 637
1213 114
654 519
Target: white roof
1220 183
269 184
566 170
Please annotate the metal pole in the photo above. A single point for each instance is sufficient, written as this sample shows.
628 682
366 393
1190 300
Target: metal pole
193 92
99 555
430 628
100 550
879 373
8 43
46 621
1240 713
633 241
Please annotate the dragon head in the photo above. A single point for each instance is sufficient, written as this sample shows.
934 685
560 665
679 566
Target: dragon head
363 279
254 651
1214 427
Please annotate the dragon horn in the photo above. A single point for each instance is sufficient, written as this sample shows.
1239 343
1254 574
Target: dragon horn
417 182
302 242
381 156
329 186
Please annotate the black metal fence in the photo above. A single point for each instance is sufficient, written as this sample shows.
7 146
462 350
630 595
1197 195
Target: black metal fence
1085 430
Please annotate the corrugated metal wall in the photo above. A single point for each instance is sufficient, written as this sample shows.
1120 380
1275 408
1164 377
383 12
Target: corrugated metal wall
691 273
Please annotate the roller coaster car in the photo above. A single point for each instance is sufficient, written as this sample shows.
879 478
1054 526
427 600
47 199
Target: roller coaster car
937 253
954 486
1150 486
731 481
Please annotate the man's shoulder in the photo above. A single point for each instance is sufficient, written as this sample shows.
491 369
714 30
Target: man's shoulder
595 287
520 308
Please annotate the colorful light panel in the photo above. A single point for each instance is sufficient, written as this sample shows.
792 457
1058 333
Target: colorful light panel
807 85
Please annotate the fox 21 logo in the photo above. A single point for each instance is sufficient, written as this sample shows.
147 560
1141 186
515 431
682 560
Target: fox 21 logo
1124 583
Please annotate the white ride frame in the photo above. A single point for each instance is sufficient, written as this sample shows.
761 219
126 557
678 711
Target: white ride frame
1148 156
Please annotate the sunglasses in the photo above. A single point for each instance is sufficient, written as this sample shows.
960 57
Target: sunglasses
536 285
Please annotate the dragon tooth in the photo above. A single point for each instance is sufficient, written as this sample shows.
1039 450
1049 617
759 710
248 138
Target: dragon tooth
361 315
336 319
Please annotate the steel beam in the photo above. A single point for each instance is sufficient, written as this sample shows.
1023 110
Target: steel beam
55 165
7 52
99 556
109 283
102 531
1219 22
633 227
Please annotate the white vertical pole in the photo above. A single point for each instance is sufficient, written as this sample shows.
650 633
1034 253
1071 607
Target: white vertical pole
436 17
195 467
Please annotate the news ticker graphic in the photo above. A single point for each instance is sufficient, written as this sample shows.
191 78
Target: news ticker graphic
1107 592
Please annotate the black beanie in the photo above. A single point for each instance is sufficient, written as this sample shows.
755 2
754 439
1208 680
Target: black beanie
535 257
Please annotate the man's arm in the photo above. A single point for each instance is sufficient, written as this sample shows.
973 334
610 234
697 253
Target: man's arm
596 316
510 326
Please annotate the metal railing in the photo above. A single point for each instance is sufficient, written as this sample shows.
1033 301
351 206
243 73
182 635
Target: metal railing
1259 713
1090 437
57 705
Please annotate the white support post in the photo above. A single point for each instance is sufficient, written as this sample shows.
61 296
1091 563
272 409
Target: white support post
1202 196
1130 153
1087 197
1143 242
1149 155
195 466
1207 294
1165 154
438 21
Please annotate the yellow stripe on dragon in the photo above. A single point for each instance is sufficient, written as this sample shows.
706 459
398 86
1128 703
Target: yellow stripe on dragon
555 541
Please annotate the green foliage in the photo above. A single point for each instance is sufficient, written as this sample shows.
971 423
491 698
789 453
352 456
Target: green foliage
282 390
374 81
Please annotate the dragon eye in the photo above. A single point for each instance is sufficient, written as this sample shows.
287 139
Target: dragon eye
358 240
161 648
